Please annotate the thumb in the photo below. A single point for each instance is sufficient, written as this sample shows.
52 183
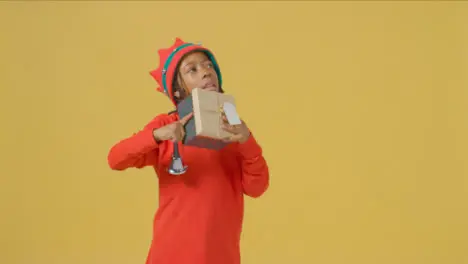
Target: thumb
186 118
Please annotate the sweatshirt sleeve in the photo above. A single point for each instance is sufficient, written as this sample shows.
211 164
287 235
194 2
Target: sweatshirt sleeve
255 172
137 151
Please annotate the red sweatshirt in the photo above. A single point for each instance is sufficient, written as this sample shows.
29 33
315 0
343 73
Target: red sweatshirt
200 214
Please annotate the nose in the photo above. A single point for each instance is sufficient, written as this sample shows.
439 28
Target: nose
206 73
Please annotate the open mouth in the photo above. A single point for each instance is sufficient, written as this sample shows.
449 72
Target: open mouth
210 86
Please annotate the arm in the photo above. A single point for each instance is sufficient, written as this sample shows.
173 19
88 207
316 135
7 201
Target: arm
255 172
137 151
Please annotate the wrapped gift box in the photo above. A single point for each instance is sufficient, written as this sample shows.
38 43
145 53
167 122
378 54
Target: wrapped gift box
204 129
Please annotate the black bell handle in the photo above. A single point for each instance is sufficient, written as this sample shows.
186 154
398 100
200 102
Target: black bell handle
176 167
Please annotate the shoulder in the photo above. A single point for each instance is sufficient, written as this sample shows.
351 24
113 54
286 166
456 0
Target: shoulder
162 120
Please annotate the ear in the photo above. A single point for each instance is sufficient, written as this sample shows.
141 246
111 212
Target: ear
177 94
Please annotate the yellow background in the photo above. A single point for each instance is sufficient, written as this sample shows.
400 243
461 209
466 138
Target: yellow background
361 109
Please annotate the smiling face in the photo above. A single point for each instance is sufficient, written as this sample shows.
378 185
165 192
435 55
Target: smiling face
196 71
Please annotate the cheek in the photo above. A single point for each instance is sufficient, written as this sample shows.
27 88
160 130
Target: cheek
213 71
192 82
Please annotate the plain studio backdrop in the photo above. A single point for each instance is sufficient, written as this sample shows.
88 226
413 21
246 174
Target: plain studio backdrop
361 109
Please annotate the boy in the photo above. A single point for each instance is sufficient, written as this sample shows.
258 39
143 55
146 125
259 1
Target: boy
200 214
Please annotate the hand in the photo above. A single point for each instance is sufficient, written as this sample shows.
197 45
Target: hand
174 131
241 133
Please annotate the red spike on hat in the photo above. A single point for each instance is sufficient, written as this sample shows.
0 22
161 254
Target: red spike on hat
163 55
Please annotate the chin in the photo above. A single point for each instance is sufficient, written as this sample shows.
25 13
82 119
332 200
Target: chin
213 89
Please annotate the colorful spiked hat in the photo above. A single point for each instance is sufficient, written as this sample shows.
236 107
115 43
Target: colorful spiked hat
169 59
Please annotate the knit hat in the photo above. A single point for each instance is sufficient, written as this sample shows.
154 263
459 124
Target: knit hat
169 60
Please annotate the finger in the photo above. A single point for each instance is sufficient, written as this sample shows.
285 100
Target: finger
229 128
179 133
176 138
228 139
233 138
182 134
173 138
186 118
224 118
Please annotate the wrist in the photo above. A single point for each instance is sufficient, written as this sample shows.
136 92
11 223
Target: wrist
245 138
250 148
